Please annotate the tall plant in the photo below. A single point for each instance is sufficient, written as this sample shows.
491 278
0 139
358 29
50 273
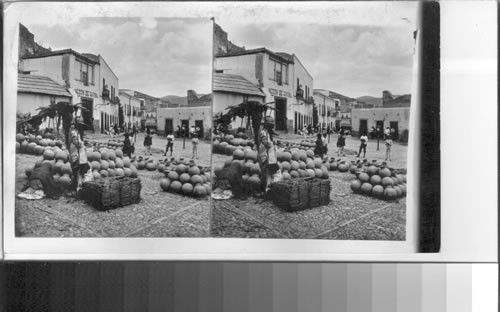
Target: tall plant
65 113
254 112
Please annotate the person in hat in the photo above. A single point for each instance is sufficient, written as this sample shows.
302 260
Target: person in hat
170 143
320 147
78 159
195 141
341 144
148 141
127 145
363 142
267 153
388 148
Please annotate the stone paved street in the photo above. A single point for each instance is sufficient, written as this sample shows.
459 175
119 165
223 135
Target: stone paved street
158 214
348 216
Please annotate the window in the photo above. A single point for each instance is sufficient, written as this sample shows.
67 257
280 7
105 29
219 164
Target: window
278 72
84 73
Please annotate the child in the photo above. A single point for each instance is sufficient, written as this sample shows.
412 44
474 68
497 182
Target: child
195 142
170 144
388 147
363 142
341 144
148 141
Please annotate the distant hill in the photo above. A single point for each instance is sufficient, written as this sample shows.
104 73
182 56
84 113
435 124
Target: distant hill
375 101
175 99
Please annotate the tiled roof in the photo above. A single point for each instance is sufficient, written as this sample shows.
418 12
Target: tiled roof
40 85
284 57
235 84
91 59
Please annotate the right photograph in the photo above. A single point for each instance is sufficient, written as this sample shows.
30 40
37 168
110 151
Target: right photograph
312 126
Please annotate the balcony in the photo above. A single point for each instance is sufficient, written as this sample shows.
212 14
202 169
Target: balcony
299 94
310 100
115 100
105 94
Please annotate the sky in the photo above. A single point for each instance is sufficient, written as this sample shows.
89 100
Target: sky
164 48
156 56
350 58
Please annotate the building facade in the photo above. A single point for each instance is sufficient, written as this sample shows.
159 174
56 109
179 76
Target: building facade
231 90
34 92
334 109
131 108
285 82
170 120
397 118
88 79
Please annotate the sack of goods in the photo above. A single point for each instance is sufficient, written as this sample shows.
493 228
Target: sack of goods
300 194
112 192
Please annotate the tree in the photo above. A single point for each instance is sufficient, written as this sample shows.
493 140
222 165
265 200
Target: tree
252 110
64 111
121 115
315 115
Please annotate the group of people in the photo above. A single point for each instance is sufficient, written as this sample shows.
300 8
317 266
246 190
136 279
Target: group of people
322 147
388 145
148 142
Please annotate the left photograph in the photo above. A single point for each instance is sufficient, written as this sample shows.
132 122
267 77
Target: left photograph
107 109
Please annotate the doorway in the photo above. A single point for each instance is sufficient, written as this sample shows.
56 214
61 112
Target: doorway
87 113
363 126
280 114
379 124
199 124
185 127
169 126
394 126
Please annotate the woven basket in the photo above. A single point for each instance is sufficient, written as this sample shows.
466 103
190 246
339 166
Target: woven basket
319 192
113 192
290 195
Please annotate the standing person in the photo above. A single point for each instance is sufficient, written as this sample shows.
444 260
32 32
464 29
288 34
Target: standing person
170 144
178 131
134 132
341 144
117 131
267 153
309 129
148 141
192 131
304 131
363 143
325 144
127 145
393 134
388 148
320 147
195 142
183 131
387 132
111 130
78 159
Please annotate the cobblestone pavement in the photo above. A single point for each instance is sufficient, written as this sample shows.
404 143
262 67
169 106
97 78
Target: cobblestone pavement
158 214
161 214
348 216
